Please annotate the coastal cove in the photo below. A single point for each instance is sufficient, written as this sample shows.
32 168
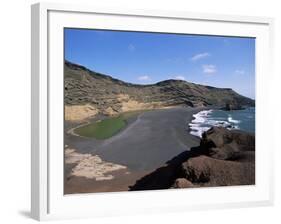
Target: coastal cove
121 162
122 136
150 127
161 134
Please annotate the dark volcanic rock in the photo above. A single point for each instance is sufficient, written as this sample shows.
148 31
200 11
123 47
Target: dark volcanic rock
83 86
207 171
182 183
216 137
227 145
245 141
229 151
230 159
232 106
224 158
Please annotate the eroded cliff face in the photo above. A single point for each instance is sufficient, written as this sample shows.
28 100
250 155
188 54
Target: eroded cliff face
95 93
79 112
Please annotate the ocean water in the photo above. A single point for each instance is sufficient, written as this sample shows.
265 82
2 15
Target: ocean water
236 119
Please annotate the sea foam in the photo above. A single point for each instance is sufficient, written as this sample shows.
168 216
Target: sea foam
196 126
231 120
203 121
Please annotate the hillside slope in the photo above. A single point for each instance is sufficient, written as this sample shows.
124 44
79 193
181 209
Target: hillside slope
89 93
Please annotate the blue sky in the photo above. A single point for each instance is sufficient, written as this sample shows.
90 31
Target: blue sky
145 58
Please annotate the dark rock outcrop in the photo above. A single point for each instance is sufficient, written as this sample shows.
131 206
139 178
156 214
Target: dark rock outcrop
230 159
227 145
207 171
232 106
224 158
182 183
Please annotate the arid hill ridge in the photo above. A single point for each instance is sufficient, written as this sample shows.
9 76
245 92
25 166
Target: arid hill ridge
106 95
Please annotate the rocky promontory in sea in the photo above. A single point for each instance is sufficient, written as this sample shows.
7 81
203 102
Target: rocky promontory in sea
224 158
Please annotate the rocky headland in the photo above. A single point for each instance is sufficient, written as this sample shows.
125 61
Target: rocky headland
224 158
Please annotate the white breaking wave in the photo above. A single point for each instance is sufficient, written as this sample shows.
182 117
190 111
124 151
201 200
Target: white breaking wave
198 131
203 122
231 120
200 118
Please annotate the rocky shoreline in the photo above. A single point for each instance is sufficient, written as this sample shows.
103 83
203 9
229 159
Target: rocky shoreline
224 158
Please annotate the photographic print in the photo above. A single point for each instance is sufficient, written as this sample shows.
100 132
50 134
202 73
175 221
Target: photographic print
152 111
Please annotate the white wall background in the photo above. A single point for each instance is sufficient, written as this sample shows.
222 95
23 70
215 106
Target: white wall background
15 110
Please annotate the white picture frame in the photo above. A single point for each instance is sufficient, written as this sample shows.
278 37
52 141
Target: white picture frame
48 201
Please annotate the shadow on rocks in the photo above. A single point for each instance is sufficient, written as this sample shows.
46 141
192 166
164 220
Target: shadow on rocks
224 158
164 177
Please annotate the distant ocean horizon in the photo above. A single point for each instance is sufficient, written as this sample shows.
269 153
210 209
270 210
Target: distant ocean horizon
236 119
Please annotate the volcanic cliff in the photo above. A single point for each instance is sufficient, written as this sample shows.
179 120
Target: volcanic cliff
88 93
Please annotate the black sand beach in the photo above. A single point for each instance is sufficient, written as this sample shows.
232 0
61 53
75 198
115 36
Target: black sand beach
148 142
